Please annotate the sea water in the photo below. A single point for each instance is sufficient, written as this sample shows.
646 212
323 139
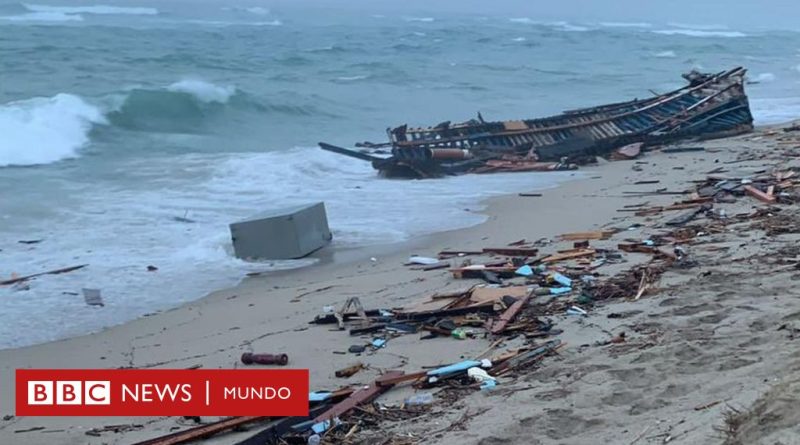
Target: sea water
132 135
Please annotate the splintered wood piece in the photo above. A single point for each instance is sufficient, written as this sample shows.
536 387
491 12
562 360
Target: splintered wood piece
759 195
568 256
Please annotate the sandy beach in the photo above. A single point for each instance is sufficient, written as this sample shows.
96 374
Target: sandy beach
709 354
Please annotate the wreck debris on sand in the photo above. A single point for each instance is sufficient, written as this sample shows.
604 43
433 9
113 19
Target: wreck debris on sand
710 106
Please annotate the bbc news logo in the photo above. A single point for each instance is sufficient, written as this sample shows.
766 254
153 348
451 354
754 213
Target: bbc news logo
130 392
70 392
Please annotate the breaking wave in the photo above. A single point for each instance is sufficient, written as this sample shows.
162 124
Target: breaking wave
626 24
45 129
179 107
665 55
560 26
94 9
566 26
763 78
419 19
702 27
524 20
700 33
351 78
257 10
43 17
203 91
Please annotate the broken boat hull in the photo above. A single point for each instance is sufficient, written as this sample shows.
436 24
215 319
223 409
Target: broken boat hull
710 106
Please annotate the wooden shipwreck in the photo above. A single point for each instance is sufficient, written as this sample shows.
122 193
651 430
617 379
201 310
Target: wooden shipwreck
710 106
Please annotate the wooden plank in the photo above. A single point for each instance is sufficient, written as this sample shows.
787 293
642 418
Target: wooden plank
512 251
568 256
50 272
509 315
361 396
201 432
577 236
389 380
636 248
755 193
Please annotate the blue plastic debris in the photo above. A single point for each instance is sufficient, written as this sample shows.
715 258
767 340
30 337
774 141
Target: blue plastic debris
560 290
561 279
318 396
649 242
456 367
489 384
378 343
524 271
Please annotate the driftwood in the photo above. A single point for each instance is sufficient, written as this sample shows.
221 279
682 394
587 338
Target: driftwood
50 272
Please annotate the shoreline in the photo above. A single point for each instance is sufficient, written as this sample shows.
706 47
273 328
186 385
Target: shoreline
327 257
270 313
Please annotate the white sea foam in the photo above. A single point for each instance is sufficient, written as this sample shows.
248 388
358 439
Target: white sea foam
257 10
194 258
560 25
519 39
566 26
665 55
43 17
93 9
700 26
700 33
225 23
419 19
204 91
44 130
626 24
775 111
352 78
763 78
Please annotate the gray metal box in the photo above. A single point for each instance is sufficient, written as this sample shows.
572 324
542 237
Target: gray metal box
278 234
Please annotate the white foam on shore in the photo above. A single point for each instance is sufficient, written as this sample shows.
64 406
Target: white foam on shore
203 91
775 111
195 258
45 129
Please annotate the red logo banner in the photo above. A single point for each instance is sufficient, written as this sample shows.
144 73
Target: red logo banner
161 392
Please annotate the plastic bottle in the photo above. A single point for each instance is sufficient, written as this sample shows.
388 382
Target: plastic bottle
314 439
425 398
459 334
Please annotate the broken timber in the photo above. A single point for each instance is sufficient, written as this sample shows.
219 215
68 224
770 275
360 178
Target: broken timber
361 396
202 432
51 272
509 315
